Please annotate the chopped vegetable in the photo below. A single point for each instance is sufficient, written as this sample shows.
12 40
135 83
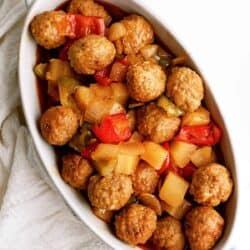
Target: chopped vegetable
131 148
188 171
169 107
154 154
164 57
203 156
102 77
166 163
81 26
150 200
123 60
181 153
101 92
120 92
113 129
199 117
203 135
40 70
173 190
116 31
87 152
118 72
149 50
58 69
177 212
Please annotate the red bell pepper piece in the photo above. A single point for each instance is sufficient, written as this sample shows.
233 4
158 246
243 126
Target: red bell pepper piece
203 135
86 153
188 171
166 163
102 77
80 26
63 55
113 129
123 60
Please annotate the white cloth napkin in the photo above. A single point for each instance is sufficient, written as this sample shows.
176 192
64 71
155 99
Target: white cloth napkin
32 215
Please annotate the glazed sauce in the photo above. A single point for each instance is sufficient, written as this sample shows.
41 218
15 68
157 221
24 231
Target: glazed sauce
43 56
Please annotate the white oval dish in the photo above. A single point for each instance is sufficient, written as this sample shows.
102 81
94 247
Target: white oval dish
31 107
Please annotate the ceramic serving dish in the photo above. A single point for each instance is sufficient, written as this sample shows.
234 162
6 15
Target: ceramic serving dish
31 107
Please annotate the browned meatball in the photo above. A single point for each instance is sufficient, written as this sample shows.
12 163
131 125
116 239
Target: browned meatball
111 192
154 123
146 81
211 185
89 8
135 224
91 53
58 125
76 171
203 227
145 179
139 32
169 234
49 29
185 87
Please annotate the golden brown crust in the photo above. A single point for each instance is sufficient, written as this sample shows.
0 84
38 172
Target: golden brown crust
185 87
76 171
203 227
154 123
58 125
139 33
146 81
169 234
89 8
111 192
46 29
135 224
145 179
91 53
211 185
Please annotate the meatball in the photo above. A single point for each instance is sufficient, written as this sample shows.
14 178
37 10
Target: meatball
49 29
203 227
211 185
91 53
139 33
168 234
186 89
58 125
145 179
89 8
146 81
76 171
111 192
135 224
154 123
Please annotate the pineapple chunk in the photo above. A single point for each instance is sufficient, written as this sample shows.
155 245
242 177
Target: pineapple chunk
177 212
126 164
181 152
82 97
131 148
105 152
154 154
120 93
105 168
203 156
199 117
173 190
